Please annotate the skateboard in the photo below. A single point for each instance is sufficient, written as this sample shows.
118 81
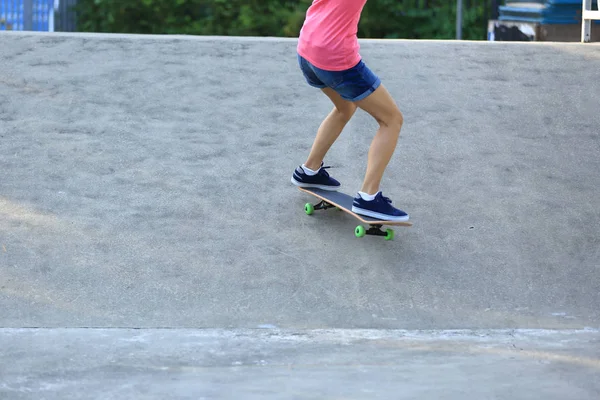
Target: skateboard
343 202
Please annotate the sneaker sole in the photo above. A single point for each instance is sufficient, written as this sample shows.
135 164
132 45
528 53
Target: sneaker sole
383 217
314 185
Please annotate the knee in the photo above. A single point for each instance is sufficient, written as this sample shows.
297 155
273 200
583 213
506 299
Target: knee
399 119
394 121
345 113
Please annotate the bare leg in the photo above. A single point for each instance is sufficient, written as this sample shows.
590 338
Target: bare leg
330 128
383 108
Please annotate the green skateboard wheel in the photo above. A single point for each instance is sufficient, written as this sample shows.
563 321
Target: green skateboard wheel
309 209
389 234
359 231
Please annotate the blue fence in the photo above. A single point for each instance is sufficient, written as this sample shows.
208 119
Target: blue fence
562 12
27 15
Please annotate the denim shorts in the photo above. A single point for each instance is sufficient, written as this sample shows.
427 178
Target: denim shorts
353 84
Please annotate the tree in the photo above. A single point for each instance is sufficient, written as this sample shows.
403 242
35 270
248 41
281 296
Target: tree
415 19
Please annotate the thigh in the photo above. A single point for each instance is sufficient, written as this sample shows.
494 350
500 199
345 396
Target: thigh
346 107
380 105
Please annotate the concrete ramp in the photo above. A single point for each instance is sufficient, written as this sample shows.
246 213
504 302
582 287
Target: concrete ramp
145 185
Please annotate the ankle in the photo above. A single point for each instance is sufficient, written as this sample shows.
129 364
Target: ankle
370 190
312 166
367 196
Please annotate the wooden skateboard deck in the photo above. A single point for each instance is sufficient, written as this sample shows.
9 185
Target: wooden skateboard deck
332 199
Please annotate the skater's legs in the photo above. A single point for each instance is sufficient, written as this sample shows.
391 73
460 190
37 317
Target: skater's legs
330 128
382 107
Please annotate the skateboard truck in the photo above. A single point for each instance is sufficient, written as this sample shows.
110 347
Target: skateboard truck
323 205
376 231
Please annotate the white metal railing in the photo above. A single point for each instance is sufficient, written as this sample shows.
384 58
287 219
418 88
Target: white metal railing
587 15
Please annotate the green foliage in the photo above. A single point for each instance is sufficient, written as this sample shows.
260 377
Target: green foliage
392 19
416 19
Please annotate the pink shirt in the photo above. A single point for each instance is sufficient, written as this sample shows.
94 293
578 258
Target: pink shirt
328 38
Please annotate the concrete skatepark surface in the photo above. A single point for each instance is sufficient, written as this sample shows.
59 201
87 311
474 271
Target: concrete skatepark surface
151 243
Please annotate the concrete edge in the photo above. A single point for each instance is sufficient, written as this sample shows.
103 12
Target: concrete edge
128 36
447 334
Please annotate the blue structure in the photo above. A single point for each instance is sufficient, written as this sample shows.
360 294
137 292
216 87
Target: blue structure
17 15
544 12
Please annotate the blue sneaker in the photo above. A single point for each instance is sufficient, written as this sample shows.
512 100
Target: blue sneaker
380 208
321 180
